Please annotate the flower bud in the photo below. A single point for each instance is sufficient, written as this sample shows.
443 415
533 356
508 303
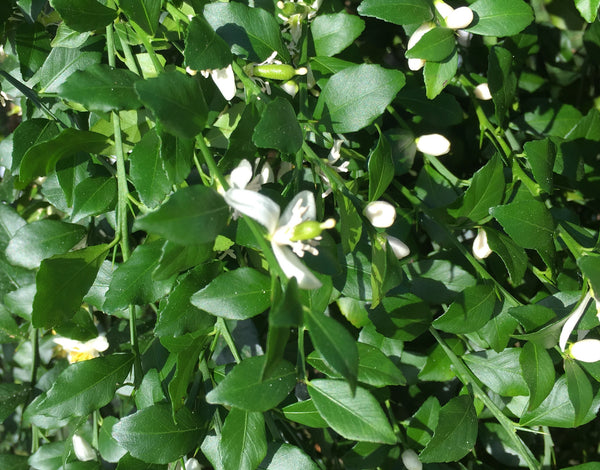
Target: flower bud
419 33
225 81
416 64
481 249
398 247
586 350
411 461
460 18
443 8
380 213
482 92
290 87
192 464
83 451
433 144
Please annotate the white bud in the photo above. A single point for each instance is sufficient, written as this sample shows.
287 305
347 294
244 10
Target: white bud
225 81
192 464
290 87
411 461
416 64
419 33
482 92
380 213
481 249
460 18
398 247
433 144
586 350
443 9
83 451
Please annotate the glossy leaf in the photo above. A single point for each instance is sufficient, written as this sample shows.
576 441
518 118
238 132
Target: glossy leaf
205 49
42 239
84 15
278 128
145 433
538 371
513 255
242 387
94 196
243 443
193 215
61 283
588 9
397 11
500 19
470 311
304 412
380 167
502 81
439 74
282 456
354 97
355 414
455 433
500 372
436 45
334 33
580 391
11 396
145 13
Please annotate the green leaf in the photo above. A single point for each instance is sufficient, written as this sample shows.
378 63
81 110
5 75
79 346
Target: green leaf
442 112
504 18
485 191
33 45
588 9
187 361
501 372
355 414
83 387
380 167
147 170
502 81
557 409
205 49
590 267
243 443
402 317
146 432
334 33
278 127
192 215
514 257
42 158
132 282
94 196
435 45
438 74
354 97
61 284
424 421
84 15
11 396
537 369
177 258
107 446
101 88
282 456
255 35
42 239
558 120
237 295
145 13
438 280
532 316
529 223
470 310
242 387
455 433
580 391
305 412
541 155
334 343
397 11
177 101
28 134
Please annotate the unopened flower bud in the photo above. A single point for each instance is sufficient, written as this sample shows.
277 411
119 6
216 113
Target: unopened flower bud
443 8
481 249
586 350
83 451
419 33
411 461
482 92
399 248
460 18
416 64
290 87
225 80
433 144
380 213
192 464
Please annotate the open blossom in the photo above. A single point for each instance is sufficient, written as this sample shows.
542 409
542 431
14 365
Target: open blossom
433 144
586 350
380 213
572 321
82 351
241 177
83 451
481 249
224 79
291 234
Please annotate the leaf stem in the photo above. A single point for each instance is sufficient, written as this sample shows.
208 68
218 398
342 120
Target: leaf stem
467 378
225 333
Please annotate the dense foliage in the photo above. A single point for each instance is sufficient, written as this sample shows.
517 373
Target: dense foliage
276 235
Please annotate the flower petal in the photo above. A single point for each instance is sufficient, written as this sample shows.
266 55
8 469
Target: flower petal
241 175
256 206
572 320
308 202
225 81
293 267
83 451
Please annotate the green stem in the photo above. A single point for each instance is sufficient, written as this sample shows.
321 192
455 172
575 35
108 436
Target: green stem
302 375
467 378
35 363
224 332
148 46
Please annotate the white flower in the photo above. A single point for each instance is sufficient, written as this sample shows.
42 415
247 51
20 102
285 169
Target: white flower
411 461
460 18
481 249
290 87
416 64
83 451
241 176
586 350
482 92
380 213
225 81
399 248
443 8
433 144
192 464
79 351
291 234
572 320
